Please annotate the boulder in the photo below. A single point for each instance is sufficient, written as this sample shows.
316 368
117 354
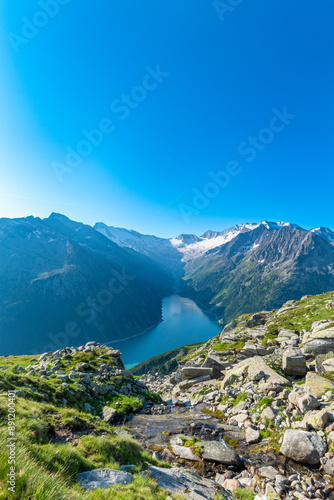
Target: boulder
213 361
320 339
316 385
190 372
316 420
186 483
268 471
268 413
218 451
182 451
186 384
302 446
108 414
307 402
248 368
252 435
103 478
257 320
294 362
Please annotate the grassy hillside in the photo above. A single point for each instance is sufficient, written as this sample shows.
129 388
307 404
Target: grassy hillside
57 438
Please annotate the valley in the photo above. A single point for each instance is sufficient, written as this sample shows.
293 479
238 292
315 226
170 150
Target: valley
63 282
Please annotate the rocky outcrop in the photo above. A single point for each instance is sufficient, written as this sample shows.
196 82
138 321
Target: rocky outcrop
187 483
320 339
316 384
249 369
103 478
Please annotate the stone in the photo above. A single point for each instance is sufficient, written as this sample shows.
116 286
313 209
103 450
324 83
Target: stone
307 402
316 385
320 340
191 372
185 452
231 484
252 435
294 362
329 467
248 368
186 384
268 472
268 413
302 446
256 320
108 414
186 483
294 396
242 405
103 478
316 420
213 361
218 451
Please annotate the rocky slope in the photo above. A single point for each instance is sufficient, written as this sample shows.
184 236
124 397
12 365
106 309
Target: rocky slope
247 415
261 268
255 405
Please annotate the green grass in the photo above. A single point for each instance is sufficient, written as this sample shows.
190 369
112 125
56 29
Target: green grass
216 414
263 403
243 494
220 347
47 470
243 396
269 339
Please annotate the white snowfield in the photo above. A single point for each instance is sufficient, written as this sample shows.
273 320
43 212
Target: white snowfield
191 246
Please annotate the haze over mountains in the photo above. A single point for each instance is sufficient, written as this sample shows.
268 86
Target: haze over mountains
63 282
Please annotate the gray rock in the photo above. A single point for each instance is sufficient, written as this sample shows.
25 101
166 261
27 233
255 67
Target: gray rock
108 414
256 320
316 385
268 413
187 483
103 478
190 372
294 362
252 435
248 368
268 472
306 402
302 446
218 451
186 384
213 361
320 340
329 467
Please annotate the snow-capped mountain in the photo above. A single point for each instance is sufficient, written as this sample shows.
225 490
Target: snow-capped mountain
325 233
187 247
56 273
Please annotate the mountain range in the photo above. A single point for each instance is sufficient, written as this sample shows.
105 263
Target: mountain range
64 282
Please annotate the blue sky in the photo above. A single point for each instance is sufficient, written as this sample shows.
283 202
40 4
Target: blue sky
202 93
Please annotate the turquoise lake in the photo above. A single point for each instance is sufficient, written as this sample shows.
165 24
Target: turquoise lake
183 323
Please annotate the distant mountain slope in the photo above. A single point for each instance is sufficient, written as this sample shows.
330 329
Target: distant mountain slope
62 282
261 269
159 249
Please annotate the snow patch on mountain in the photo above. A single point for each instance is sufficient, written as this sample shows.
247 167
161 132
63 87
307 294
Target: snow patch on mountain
191 246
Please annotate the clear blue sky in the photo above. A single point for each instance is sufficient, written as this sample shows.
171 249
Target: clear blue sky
227 73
